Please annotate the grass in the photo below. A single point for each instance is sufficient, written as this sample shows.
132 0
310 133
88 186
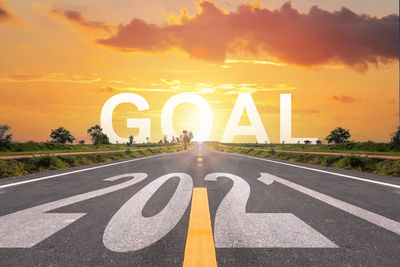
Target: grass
12 149
17 167
389 167
369 148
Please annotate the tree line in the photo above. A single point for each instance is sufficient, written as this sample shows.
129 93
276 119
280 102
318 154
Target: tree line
61 135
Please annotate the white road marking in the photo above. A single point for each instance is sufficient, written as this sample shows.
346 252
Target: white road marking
318 170
26 228
128 230
234 228
77 171
366 215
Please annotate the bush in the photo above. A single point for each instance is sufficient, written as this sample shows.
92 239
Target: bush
330 160
51 163
350 162
72 161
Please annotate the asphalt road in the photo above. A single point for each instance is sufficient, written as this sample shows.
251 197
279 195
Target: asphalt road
203 207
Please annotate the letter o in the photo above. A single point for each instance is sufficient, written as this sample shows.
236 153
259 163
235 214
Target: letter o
205 112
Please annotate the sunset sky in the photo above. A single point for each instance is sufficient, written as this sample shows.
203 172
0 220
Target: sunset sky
60 61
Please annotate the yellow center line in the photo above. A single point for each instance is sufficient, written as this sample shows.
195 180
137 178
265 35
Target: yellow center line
200 248
199 165
199 159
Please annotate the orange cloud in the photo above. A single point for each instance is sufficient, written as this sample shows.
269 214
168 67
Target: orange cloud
346 99
49 77
273 109
306 111
78 18
317 38
5 14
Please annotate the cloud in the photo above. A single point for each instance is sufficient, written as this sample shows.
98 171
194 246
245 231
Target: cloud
317 38
254 88
5 14
252 61
78 18
175 71
269 109
107 89
49 77
346 99
305 111
178 86
170 82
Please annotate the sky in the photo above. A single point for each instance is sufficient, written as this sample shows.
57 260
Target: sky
62 60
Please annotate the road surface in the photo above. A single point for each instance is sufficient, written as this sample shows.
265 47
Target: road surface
200 208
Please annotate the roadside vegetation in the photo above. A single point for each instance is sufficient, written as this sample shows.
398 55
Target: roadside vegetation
338 142
350 147
388 167
49 147
62 141
16 167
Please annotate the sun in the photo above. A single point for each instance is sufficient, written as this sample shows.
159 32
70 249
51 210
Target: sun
205 120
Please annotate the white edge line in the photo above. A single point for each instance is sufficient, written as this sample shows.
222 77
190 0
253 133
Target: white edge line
318 170
82 170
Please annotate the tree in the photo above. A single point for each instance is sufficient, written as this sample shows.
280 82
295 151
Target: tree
81 142
4 136
97 136
396 137
190 134
131 138
147 139
61 136
103 139
165 139
307 142
186 138
338 136
319 142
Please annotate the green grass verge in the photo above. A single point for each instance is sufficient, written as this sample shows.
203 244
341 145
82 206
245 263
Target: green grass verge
351 147
387 167
17 167
49 146
12 149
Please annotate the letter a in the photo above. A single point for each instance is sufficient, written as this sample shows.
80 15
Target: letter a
245 101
